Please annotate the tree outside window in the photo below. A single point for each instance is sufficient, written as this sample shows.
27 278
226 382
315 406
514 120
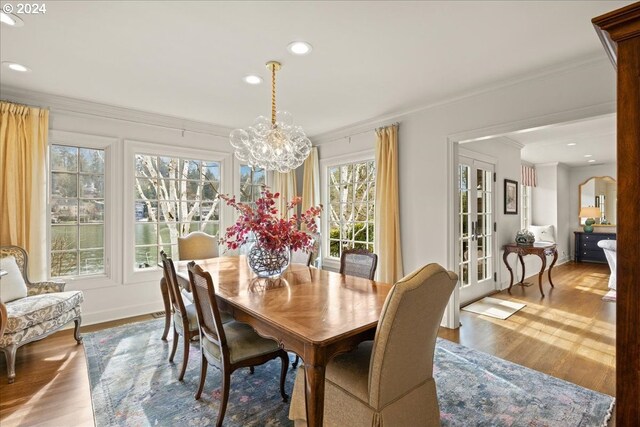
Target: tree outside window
174 196
351 190
251 182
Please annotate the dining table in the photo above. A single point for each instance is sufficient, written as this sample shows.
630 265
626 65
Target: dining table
314 313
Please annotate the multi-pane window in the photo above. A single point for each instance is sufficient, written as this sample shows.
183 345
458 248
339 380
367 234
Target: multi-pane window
351 190
76 203
173 197
525 202
251 182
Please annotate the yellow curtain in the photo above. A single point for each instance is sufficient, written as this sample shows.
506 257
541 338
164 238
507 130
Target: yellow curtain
23 182
311 181
387 221
285 184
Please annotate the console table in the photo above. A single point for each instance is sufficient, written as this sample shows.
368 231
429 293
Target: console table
587 249
541 249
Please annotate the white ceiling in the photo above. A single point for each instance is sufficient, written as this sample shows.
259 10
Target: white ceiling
369 59
596 137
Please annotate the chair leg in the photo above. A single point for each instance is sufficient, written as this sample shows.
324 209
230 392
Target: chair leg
283 375
226 384
251 370
294 365
175 344
76 330
203 375
185 357
10 354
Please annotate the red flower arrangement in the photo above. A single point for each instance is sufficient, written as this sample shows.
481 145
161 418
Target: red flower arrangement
272 231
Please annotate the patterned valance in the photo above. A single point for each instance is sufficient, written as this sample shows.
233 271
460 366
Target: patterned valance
528 176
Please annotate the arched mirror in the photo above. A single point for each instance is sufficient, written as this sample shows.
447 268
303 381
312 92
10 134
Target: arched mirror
599 192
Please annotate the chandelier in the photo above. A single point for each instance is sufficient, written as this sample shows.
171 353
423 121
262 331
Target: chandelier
275 144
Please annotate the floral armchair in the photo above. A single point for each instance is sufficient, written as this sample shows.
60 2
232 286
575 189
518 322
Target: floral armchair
45 309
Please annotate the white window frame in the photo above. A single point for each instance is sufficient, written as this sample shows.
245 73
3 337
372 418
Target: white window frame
131 275
236 185
328 261
111 220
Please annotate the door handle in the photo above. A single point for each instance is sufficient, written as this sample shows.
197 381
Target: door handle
473 230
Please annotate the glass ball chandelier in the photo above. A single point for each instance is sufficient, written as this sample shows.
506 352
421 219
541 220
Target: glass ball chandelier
275 144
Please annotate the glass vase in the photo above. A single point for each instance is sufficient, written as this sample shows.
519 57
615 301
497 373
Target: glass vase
268 263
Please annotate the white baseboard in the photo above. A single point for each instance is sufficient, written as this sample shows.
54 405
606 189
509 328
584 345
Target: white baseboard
122 312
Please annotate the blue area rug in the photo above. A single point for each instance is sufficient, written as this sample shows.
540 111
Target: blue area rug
133 384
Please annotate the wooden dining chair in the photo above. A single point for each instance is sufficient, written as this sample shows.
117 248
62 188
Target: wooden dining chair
197 245
231 345
389 381
185 322
358 262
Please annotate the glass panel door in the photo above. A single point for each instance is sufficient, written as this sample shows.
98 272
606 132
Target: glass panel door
476 234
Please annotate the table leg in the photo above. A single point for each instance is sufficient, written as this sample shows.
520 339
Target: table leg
314 393
167 307
504 258
555 258
522 264
543 257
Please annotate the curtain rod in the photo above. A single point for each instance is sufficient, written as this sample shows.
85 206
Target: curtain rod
24 105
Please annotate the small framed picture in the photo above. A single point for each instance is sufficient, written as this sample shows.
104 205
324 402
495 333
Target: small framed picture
510 197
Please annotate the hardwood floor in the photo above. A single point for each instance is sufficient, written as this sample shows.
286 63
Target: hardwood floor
569 334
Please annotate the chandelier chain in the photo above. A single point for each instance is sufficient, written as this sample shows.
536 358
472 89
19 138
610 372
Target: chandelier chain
273 94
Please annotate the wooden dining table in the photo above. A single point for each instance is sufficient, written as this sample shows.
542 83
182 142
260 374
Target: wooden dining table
314 313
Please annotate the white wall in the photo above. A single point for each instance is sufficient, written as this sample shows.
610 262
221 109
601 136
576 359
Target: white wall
506 155
578 176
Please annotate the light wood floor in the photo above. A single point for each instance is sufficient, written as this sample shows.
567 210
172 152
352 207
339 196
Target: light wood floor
570 334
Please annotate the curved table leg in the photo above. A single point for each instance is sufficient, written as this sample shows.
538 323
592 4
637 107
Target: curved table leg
543 257
504 258
555 258
523 270
167 307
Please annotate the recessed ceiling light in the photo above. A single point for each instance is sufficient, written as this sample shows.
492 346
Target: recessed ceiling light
571 144
16 67
591 161
252 79
588 155
299 48
11 20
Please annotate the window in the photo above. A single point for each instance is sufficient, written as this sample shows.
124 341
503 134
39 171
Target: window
77 205
173 197
351 192
525 202
251 182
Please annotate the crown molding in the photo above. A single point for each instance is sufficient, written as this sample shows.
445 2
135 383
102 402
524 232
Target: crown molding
510 142
383 120
64 104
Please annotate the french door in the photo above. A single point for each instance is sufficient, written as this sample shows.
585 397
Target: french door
476 235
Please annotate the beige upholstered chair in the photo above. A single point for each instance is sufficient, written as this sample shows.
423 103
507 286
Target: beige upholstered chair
197 245
301 257
358 262
42 310
389 381
231 345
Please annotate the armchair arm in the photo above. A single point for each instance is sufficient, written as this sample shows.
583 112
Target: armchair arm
3 319
44 287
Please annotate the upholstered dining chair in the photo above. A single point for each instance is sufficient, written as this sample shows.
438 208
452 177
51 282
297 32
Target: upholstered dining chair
231 345
389 381
185 322
301 257
358 262
197 245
